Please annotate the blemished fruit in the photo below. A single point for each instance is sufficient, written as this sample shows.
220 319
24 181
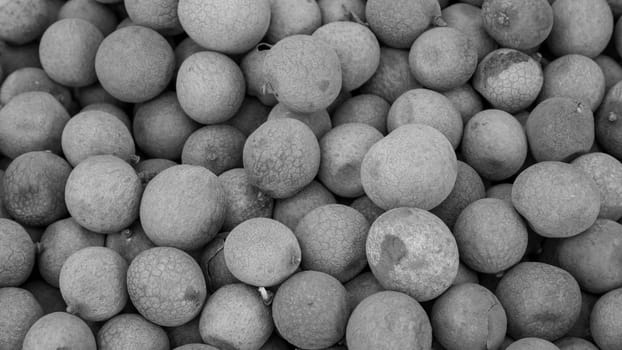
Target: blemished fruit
412 251
310 310
129 242
393 76
473 304
243 200
20 310
32 79
59 330
34 187
373 324
185 222
17 254
103 194
530 343
131 331
262 252
423 156
290 210
365 108
540 300
307 89
225 32
557 199
468 20
604 169
605 320
215 147
319 122
236 317
166 285
290 17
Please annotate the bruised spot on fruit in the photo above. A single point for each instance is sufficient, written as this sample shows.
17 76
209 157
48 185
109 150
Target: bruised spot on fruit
393 251
193 295
501 61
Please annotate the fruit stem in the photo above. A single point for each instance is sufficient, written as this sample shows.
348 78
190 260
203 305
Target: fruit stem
134 159
127 233
438 21
39 247
266 295
613 117
580 107
502 19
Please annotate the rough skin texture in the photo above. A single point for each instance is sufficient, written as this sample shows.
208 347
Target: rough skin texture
103 194
491 235
252 65
134 64
468 316
310 310
520 25
244 201
468 20
581 328
59 330
147 169
393 76
17 254
34 188
609 122
187 333
413 166
31 121
362 286
319 122
509 79
559 129
281 157
228 26
58 242
161 127
611 68
236 318
540 300
93 133
160 15
23 21
389 320
365 108
290 210
20 310
557 199
342 151
304 73
531 344
290 17
332 240
341 10
111 109
48 297
214 266
423 106
571 343
606 171
183 207
166 286
466 100
412 251
129 243
216 73
93 283
262 252
215 147
606 319
92 11
32 79
131 331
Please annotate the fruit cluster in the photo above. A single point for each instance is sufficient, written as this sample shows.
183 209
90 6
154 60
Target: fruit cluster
310 174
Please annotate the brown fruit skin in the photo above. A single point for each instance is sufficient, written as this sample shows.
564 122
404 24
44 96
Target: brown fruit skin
557 199
134 64
412 251
398 23
520 25
532 344
34 188
467 19
365 108
540 300
92 11
28 109
290 210
18 254
605 170
20 310
310 310
131 331
609 122
373 324
468 316
32 79
581 27
218 148
393 76
606 319
571 343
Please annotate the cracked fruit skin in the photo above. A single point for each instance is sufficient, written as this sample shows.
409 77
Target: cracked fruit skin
389 320
412 251
468 316
166 285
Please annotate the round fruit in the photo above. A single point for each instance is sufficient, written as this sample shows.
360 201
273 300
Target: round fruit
362 286
540 300
134 64
20 310
393 76
93 133
310 310
581 328
319 122
571 343
465 275
59 330
130 242
473 305
217 148
466 100
47 296
58 242
110 109
604 170
365 108
23 21
159 15
468 20
234 26
31 121
103 17
606 319
609 122
34 187
210 71
103 194
235 317
149 168
518 24
386 321
290 210
131 331
509 79
250 116
281 157
290 17
185 49
187 333
17 254
532 344
412 251
423 158
32 79
611 68
252 65
559 129
213 264
341 10
442 58
262 252
186 221
557 199
166 286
